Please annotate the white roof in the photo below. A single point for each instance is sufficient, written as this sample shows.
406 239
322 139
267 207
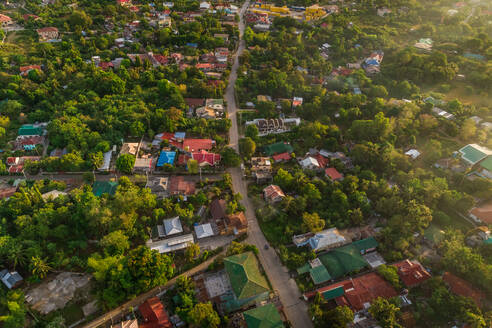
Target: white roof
326 238
106 161
172 226
171 244
309 161
413 153
203 230
53 194
204 5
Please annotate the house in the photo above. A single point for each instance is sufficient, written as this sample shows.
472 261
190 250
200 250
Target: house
282 157
129 148
483 232
5 20
194 102
206 159
317 271
24 70
297 101
263 98
143 164
6 191
265 316
473 153
274 125
273 194
442 113
463 288
106 161
203 230
133 323
224 37
482 213
171 244
320 241
412 273
413 153
261 169
124 3
205 67
204 5
357 293
166 157
206 113
424 44
10 279
333 174
104 187
30 130
172 226
278 148
54 194
486 166
27 17
158 185
47 34
309 163
383 11
218 209
180 186
236 224
248 284
154 314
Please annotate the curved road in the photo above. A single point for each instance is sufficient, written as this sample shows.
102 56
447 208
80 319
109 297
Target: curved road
295 308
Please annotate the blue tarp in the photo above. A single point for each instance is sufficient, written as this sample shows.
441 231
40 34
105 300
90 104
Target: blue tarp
179 135
166 157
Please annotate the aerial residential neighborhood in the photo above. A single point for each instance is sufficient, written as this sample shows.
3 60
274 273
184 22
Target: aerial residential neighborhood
245 164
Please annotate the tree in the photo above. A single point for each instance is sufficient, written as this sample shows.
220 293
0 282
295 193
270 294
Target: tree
16 315
125 163
203 315
81 19
192 166
247 147
390 274
339 317
115 243
192 251
384 312
468 130
252 132
313 222
230 158
39 267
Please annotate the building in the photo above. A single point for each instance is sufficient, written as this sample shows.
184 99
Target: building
166 157
180 186
320 241
317 271
133 323
333 174
172 226
24 70
248 284
412 273
236 224
472 154
463 288
309 163
6 192
204 231
154 314
171 244
47 34
357 293
129 148
5 20
104 187
413 153
265 316
30 130
278 148
106 161
273 194
204 158
218 208
10 279
159 186
482 213
282 157
54 194
143 164
274 125
261 169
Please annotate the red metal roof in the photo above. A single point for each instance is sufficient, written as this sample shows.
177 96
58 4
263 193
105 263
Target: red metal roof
194 102
281 157
193 145
322 161
179 185
462 287
106 65
333 174
154 314
25 69
359 290
4 18
206 158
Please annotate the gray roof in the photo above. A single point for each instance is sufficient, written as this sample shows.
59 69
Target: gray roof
10 279
172 226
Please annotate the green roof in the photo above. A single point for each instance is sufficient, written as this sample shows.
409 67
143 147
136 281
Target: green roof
364 244
343 260
488 241
265 316
473 153
304 269
30 130
104 187
487 163
319 274
278 148
245 276
333 293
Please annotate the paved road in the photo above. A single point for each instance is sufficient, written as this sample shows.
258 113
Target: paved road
115 315
295 309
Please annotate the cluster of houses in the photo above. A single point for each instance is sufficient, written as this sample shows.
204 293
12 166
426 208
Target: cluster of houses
372 63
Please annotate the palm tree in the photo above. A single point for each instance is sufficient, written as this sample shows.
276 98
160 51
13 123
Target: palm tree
16 255
40 267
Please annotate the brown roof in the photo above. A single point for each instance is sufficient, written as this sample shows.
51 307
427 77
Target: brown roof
154 314
484 213
237 220
4 18
218 209
47 29
411 273
194 102
462 287
179 185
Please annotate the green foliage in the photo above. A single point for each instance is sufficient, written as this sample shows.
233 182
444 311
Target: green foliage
390 274
385 313
230 158
247 147
125 163
115 243
15 309
203 315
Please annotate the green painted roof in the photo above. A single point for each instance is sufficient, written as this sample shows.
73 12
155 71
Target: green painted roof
487 163
333 293
265 316
245 276
472 154
29 130
104 187
278 148
365 244
304 269
488 241
343 260
319 274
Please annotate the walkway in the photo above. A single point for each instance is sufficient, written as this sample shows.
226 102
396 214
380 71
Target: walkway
295 309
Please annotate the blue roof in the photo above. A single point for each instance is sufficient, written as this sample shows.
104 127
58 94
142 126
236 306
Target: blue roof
373 62
192 44
179 135
166 157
